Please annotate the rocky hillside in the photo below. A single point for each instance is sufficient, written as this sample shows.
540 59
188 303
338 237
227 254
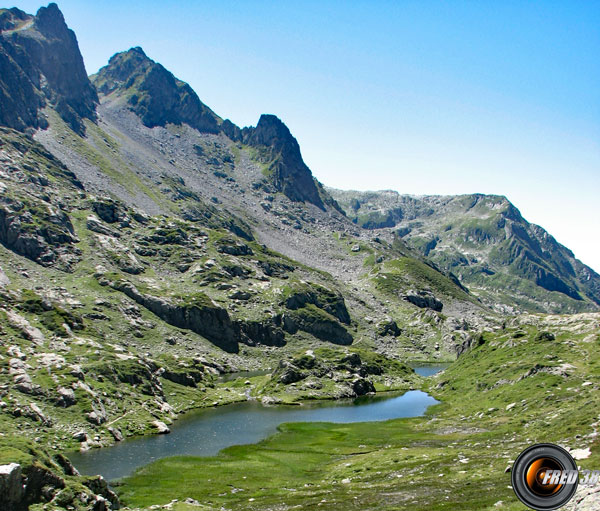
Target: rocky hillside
485 241
160 99
147 246
114 322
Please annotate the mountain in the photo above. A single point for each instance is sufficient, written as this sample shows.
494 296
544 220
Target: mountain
486 242
153 93
148 247
40 65
158 99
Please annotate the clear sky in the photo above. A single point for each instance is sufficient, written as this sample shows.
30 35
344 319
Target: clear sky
422 97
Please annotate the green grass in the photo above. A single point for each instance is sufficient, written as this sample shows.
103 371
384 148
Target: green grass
411 463
400 274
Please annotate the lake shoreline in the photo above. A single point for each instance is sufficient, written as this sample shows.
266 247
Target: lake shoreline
255 422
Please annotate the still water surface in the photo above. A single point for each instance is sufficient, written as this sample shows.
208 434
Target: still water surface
205 432
430 369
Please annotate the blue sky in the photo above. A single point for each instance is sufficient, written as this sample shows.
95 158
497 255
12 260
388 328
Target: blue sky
422 97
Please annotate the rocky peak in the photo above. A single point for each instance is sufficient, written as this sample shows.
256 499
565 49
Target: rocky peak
51 22
271 131
13 18
121 68
153 93
281 152
159 98
40 65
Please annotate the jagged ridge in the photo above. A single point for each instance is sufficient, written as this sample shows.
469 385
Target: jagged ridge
159 98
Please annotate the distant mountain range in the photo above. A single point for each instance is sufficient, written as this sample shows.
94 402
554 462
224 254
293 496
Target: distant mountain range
485 241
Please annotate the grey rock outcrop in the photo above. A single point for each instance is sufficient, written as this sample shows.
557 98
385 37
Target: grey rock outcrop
289 373
40 64
12 493
281 152
322 326
200 316
362 386
4 280
66 397
424 300
323 298
161 427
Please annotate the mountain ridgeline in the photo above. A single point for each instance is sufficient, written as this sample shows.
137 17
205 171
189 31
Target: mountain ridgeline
486 242
159 98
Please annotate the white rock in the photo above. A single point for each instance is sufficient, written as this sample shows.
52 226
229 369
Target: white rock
581 454
51 360
162 428
80 436
510 406
32 333
4 280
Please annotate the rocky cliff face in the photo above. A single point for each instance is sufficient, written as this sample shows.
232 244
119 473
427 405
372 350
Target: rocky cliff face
280 152
40 64
35 192
154 93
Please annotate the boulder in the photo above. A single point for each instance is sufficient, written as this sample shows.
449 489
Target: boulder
361 386
424 300
99 487
234 248
388 327
161 427
545 336
34 412
66 465
93 224
240 295
116 433
66 397
12 493
110 211
353 360
289 373
97 417
80 436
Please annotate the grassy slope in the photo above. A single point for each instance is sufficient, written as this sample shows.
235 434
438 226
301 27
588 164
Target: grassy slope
454 458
